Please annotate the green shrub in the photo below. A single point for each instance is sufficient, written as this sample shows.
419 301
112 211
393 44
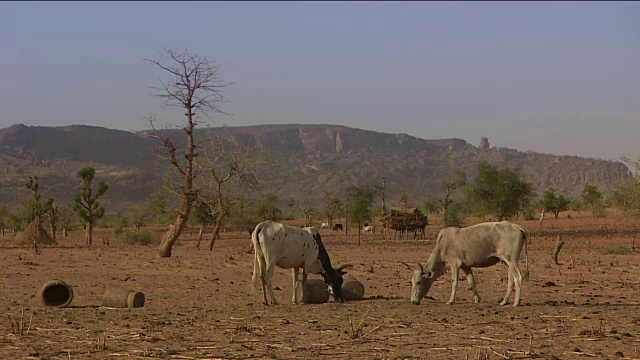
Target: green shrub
451 217
598 211
616 250
142 237
530 213
107 222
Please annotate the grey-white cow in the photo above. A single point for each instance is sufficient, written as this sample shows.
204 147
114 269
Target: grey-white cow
293 248
480 245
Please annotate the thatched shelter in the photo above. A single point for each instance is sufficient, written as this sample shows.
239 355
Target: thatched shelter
35 235
406 221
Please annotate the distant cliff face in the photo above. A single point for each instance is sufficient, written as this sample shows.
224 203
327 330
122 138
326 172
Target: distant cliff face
306 159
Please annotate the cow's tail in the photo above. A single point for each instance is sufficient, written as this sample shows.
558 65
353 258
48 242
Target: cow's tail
526 255
255 241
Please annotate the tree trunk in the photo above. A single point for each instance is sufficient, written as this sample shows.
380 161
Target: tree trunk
200 232
172 235
88 236
53 232
216 231
64 231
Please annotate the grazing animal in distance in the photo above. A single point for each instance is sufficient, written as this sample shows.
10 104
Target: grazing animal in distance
324 226
337 227
480 245
293 248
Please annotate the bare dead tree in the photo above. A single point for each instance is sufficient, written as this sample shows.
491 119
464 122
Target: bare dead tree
449 188
227 171
196 87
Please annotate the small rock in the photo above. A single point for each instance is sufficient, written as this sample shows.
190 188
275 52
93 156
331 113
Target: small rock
619 354
575 349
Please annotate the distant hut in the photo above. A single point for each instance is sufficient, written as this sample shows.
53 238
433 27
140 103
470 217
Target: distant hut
406 221
35 235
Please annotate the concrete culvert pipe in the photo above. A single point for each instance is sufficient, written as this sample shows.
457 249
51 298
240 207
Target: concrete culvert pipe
314 293
122 298
352 289
56 293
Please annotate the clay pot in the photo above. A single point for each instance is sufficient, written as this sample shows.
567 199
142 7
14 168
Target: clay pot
352 289
122 298
56 293
314 293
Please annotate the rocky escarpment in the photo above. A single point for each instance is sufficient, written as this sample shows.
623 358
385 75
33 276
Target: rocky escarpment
304 160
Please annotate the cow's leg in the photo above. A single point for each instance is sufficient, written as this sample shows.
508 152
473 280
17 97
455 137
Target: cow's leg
472 283
505 300
294 275
304 285
454 275
268 280
263 279
262 272
518 284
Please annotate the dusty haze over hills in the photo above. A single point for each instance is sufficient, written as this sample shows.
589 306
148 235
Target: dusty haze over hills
305 158
551 77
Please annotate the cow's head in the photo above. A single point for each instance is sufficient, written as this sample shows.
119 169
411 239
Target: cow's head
420 283
333 280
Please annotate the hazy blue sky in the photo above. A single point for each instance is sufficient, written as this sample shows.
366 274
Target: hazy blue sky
552 77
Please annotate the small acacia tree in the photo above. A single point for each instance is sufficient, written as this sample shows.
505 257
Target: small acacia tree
332 207
227 169
196 88
500 191
627 195
450 217
555 204
65 215
35 207
201 215
86 202
359 202
592 197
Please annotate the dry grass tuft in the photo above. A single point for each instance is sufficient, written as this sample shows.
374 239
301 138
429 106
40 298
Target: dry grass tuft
19 325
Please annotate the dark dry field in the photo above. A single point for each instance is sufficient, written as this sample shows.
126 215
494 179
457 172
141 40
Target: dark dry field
199 306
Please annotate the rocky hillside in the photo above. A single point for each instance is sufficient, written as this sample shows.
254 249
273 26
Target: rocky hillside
305 157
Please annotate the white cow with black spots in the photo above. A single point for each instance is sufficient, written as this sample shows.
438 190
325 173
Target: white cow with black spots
293 248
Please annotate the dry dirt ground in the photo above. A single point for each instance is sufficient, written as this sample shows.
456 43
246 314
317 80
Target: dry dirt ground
199 306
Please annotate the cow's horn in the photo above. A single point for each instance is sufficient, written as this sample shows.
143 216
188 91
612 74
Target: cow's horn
409 266
344 267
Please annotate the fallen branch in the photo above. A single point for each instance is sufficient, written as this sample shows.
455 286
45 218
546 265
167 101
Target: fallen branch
559 244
